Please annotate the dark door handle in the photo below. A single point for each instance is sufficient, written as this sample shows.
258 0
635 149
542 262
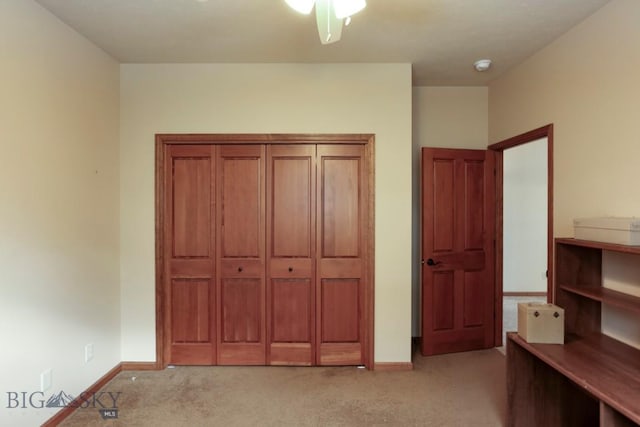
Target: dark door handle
239 269
431 262
290 269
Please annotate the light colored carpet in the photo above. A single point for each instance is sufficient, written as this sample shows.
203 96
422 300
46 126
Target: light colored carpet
462 389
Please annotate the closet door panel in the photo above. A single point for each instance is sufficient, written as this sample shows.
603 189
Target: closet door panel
291 252
340 207
241 249
341 202
242 205
291 310
189 279
241 310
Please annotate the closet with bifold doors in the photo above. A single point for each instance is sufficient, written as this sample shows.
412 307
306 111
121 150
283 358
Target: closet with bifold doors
265 252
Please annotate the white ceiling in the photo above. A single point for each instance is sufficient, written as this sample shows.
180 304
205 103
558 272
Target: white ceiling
441 38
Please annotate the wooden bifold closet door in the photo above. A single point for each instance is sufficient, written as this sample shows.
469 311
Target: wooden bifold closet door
264 254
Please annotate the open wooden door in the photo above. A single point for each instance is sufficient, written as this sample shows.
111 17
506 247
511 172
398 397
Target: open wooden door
458 235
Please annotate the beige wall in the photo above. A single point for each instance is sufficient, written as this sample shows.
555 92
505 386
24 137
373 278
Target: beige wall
58 208
445 117
268 98
450 117
586 84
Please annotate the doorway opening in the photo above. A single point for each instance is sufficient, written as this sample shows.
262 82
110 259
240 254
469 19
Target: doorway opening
524 224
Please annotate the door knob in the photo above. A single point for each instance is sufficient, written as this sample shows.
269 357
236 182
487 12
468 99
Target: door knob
239 269
431 262
290 269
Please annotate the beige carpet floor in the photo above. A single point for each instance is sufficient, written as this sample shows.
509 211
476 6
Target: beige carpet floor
463 389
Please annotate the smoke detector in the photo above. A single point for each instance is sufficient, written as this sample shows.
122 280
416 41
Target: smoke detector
482 65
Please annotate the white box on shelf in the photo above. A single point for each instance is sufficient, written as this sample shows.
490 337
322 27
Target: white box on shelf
541 323
623 231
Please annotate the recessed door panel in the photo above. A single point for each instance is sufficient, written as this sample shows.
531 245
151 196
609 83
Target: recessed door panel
340 310
191 207
443 205
340 207
190 312
241 189
443 298
240 302
291 204
473 297
291 315
474 199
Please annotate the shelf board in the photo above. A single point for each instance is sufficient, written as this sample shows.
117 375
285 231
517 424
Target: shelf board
604 367
607 296
600 245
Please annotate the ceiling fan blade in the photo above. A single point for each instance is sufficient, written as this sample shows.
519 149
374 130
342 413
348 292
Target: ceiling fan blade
329 26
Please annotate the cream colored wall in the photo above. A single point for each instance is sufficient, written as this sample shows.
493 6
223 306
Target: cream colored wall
268 98
586 84
451 117
445 117
59 252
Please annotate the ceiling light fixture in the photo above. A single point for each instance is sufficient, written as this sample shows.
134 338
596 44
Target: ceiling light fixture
330 15
482 65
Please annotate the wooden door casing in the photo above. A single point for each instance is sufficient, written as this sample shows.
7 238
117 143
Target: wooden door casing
341 251
291 234
189 278
458 188
240 227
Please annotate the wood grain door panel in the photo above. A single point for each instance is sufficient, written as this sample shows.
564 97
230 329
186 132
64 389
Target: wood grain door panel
189 275
241 310
340 310
291 315
241 225
341 203
458 246
190 310
291 252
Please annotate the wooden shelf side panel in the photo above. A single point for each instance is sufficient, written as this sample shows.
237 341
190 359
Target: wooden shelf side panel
582 316
578 265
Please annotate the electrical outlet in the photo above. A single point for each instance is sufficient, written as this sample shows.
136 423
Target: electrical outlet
45 380
88 353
